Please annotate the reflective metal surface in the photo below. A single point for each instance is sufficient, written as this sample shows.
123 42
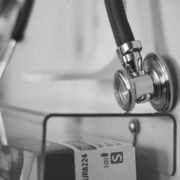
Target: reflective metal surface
154 84
124 90
7 57
130 56
163 96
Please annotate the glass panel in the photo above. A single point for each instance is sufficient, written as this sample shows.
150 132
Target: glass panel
36 145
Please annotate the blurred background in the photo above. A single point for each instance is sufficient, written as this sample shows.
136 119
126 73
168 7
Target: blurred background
67 59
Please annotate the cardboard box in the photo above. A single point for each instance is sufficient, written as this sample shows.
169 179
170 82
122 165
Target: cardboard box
92 159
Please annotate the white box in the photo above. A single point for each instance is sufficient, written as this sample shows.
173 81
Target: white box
91 159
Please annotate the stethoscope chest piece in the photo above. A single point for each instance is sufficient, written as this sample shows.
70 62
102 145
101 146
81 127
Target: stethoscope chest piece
153 84
163 96
124 90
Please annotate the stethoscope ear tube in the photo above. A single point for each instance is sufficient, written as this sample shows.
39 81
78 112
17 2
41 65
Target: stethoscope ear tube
22 21
119 22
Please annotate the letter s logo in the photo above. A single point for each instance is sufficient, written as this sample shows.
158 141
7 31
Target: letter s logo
116 157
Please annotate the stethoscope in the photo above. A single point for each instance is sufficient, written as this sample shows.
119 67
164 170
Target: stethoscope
18 31
140 80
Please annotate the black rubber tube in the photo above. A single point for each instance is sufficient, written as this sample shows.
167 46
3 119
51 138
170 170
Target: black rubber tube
119 22
22 20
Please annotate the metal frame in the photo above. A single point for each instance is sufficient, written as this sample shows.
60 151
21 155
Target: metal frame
171 119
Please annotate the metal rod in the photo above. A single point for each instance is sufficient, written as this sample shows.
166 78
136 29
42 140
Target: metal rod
7 57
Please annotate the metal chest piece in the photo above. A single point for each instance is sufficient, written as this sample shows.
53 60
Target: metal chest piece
124 90
157 68
142 81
